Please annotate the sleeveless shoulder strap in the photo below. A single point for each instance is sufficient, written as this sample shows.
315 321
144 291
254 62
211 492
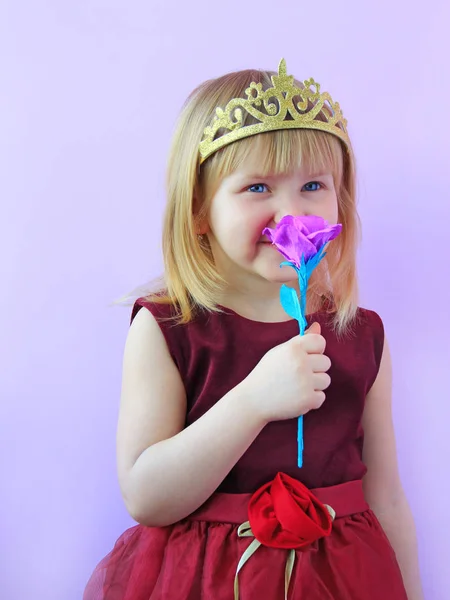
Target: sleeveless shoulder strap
174 334
371 329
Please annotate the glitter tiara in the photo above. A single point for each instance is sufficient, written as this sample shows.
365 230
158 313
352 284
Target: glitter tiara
286 106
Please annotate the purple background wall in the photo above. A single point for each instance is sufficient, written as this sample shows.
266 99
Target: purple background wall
85 122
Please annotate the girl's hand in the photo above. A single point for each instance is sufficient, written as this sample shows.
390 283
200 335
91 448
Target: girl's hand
291 378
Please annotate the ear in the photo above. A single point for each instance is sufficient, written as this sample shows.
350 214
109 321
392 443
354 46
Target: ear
202 229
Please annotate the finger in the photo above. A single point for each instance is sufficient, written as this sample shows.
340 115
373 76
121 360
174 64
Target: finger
321 381
314 328
317 400
319 363
313 343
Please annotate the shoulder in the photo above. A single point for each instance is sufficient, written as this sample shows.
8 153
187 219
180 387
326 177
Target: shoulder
159 320
145 335
369 318
365 326
370 326
358 353
161 311
181 338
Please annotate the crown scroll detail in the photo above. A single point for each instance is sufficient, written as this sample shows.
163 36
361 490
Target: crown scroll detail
283 106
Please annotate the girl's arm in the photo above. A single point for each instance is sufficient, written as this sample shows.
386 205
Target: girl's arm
166 471
382 485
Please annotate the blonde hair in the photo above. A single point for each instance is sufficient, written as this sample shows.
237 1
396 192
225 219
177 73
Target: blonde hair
191 279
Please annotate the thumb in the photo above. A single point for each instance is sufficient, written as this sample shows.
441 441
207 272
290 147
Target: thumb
314 328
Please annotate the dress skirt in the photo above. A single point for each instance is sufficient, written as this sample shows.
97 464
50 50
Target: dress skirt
283 542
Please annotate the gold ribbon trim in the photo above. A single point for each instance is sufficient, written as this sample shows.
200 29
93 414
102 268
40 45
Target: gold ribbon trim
245 530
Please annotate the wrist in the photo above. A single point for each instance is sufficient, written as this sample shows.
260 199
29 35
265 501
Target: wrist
247 406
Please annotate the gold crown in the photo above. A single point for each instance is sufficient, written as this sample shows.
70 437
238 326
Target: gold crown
285 114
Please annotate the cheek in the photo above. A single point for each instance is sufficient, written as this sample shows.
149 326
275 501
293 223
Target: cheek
334 217
332 210
254 219
255 228
245 222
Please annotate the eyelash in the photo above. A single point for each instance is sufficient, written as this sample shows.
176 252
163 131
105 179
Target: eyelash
309 183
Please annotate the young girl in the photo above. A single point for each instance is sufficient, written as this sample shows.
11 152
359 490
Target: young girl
215 376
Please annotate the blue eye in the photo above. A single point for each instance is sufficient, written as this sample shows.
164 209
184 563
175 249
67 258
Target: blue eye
258 188
307 187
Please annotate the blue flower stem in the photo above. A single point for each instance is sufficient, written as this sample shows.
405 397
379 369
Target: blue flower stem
297 309
303 285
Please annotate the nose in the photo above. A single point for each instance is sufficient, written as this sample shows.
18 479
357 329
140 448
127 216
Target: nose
290 205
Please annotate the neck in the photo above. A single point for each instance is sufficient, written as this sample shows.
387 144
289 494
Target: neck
265 308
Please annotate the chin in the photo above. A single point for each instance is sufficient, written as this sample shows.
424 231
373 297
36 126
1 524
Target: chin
280 275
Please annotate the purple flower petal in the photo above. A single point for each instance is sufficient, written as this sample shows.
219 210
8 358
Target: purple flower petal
311 223
292 244
319 238
301 235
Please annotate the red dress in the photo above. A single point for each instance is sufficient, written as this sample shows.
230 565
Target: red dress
197 558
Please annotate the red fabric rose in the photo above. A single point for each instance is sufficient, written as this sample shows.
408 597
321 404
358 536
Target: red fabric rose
285 514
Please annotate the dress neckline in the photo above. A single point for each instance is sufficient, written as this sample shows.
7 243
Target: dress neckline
230 311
